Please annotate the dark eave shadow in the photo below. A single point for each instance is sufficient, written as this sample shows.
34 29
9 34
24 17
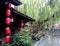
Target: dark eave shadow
20 16
15 2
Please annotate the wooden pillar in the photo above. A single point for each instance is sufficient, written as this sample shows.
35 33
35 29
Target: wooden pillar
31 28
7 22
21 26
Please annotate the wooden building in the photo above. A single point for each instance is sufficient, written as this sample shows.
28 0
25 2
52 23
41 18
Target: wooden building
11 19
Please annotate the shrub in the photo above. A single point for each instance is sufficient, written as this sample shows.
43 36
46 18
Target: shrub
37 36
21 40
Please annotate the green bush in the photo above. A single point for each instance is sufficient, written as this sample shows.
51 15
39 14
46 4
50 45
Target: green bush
21 40
37 36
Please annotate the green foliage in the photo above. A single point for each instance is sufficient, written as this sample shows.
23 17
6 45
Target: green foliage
50 13
36 28
37 36
30 7
35 9
21 40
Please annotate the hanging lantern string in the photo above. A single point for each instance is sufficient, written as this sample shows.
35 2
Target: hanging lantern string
7 21
31 28
8 11
21 26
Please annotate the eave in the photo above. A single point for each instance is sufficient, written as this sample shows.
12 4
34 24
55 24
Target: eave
14 2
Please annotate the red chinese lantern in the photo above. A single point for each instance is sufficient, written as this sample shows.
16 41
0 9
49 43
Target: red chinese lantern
8 21
31 31
9 5
31 28
8 13
7 39
21 28
7 30
22 24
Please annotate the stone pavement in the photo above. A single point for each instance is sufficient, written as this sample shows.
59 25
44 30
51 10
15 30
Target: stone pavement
49 40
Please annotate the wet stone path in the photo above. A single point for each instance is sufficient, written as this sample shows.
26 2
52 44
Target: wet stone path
49 40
